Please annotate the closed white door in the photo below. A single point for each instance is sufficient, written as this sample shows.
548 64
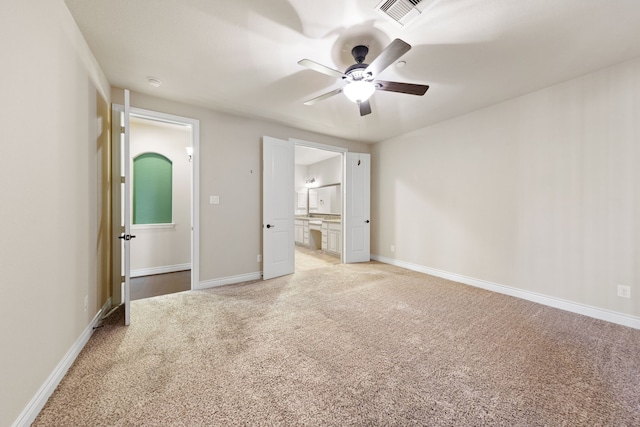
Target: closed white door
278 197
357 208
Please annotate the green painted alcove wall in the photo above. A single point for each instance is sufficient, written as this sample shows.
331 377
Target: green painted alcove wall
152 189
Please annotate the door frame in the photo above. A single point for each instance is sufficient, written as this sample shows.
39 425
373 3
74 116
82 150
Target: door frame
195 177
343 154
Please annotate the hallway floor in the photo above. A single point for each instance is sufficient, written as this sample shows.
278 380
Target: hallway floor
160 284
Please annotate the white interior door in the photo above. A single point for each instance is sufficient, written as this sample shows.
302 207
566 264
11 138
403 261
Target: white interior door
357 208
278 196
117 122
126 203
121 209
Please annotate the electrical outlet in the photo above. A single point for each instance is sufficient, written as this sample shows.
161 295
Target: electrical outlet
393 248
624 291
259 258
86 303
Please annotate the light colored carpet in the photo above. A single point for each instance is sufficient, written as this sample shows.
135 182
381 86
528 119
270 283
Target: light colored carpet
366 344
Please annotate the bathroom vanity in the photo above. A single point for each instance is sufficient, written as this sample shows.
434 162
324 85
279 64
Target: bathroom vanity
318 220
320 232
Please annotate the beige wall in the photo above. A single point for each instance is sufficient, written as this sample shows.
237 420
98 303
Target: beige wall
54 163
164 247
326 172
541 193
230 167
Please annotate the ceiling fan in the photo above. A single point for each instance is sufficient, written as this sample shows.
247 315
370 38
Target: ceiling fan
361 78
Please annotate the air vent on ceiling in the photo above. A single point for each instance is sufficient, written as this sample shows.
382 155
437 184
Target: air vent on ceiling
399 11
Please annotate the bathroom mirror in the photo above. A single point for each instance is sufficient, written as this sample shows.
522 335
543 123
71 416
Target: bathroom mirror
326 199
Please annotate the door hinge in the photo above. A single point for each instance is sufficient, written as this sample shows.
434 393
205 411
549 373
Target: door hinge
122 279
122 180
122 129
121 229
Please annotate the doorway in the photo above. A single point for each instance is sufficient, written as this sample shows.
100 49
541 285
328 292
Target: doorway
318 205
161 207
280 227
165 248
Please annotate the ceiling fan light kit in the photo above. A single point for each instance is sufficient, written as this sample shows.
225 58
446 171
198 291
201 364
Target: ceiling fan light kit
359 91
361 78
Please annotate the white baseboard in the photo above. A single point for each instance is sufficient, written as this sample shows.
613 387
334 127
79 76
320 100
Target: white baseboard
38 401
574 307
228 280
160 270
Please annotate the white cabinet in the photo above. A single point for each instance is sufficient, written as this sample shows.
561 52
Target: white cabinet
325 236
333 244
332 237
299 231
302 199
335 238
305 233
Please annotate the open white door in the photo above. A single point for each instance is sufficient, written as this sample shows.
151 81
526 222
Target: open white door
357 208
278 196
126 203
121 209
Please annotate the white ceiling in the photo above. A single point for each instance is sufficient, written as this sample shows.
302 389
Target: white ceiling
241 56
308 156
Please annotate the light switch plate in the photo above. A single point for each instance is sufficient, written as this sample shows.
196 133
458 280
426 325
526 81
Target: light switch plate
214 200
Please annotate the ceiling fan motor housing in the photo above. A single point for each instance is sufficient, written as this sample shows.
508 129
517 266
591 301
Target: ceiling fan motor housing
356 71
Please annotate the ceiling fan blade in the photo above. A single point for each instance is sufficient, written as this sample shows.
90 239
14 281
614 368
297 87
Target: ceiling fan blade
388 56
410 88
365 108
323 97
321 68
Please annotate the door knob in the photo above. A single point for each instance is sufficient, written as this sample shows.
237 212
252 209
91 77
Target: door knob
271 226
367 222
126 237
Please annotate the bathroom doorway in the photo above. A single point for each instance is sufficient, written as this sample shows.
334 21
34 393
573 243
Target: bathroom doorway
319 203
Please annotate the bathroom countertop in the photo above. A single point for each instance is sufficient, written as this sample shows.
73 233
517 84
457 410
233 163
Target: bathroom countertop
320 220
